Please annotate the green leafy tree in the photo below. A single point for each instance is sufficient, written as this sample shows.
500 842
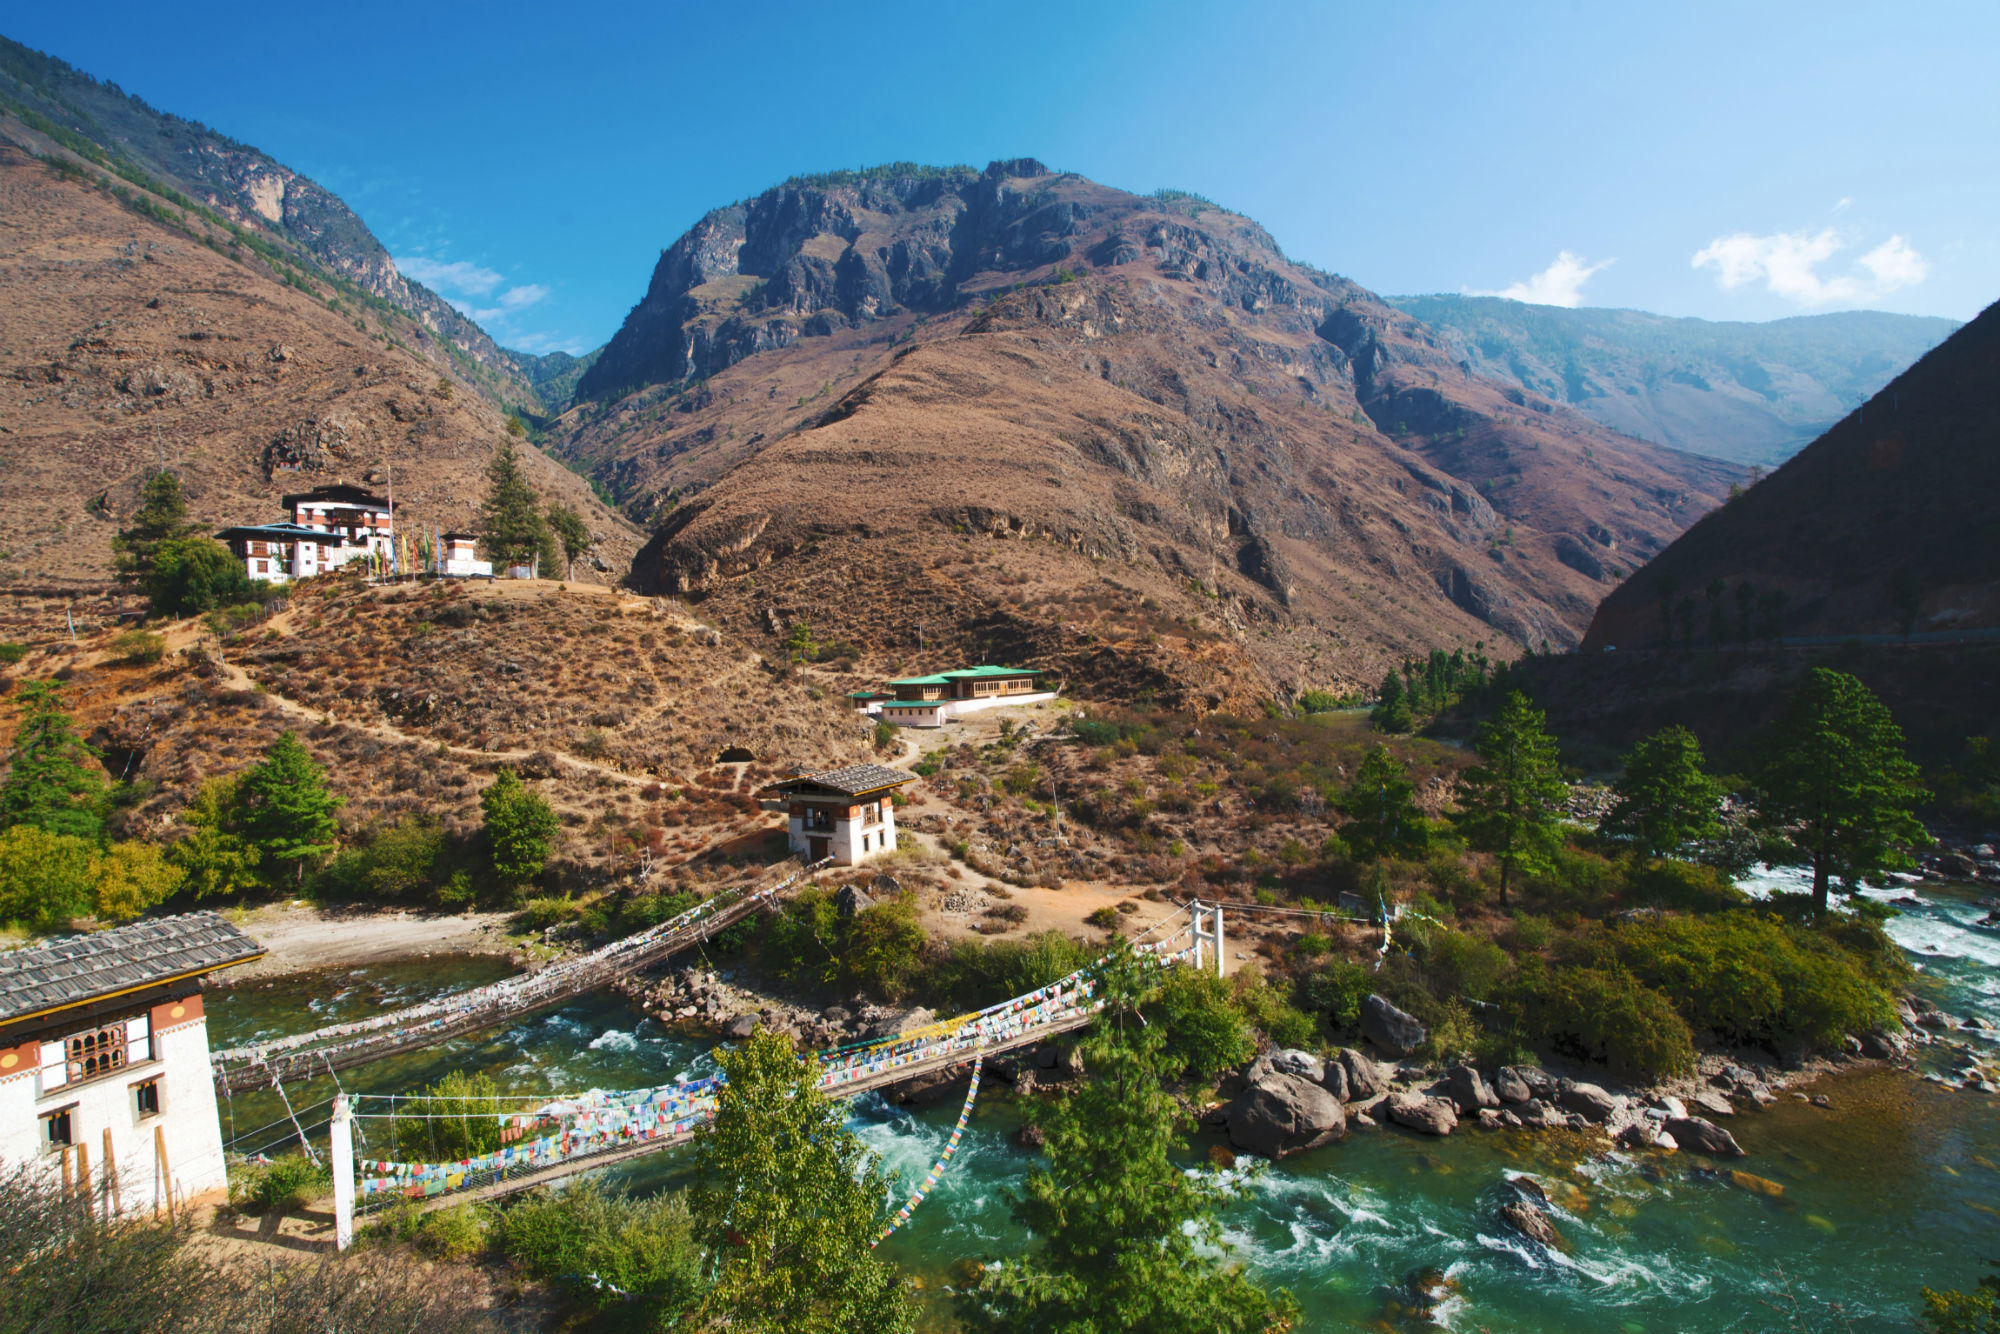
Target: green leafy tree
1128 1240
1954 1312
53 779
46 879
162 517
515 531
1381 810
800 646
568 528
1392 706
212 856
1835 785
287 808
191 575
520 828
133 877
1508 802
1666 799
789 1201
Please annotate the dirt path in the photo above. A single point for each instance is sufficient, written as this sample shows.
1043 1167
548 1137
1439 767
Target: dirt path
299 938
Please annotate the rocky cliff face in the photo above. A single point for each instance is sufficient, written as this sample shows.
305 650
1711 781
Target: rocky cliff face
1270 454
50 100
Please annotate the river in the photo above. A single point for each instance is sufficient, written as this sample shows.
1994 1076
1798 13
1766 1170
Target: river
1893 1186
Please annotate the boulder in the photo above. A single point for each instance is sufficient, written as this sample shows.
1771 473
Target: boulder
1508 1085
1429 1116
742 1026
1710 1104
1363 1079
1395 1031
884 883
1304 1064
1883 1046
1532 1223
1284 1114
1334 1080
1698 1135
1468 1090
1030 1136
1591 1101
852 900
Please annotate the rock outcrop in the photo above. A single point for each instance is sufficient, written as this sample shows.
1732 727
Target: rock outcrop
1697 1135
1396 1032
1429 1116
1284 1114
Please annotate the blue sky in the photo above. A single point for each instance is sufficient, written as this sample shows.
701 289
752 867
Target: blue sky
1733 161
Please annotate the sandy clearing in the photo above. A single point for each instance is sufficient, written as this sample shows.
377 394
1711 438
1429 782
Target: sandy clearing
300 937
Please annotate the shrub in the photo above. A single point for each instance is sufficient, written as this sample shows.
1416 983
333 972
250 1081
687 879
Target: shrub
403 861
542 913
885 735
1336 988
139 646
1318 701
453 1118
284 1183
1104 919
884 946
454 1233
971 974
1685 887
1269 1008
1202 1022
11 653
1601 1015
46 879
632 1259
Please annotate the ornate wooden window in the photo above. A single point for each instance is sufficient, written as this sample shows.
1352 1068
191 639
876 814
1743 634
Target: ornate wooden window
94 1052
146 1098
58 1132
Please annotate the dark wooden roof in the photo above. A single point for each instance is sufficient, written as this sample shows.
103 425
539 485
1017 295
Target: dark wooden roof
335 495
852 780
69 972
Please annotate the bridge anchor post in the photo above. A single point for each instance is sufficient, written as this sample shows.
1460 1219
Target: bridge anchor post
340 1153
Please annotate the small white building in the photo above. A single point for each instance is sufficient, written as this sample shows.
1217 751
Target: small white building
846 814
932 701
458 557
364 523
104 1071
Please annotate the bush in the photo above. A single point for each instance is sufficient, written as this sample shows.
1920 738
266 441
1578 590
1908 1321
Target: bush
46 879
1601 1015
285 1183
1318 701
1269 1008
455 1233
1202 1022
11 653
1104 919
1336 988
407 860
542 913
634 1260
885 735
1685 887
972 974
884 946
139 646
452 1119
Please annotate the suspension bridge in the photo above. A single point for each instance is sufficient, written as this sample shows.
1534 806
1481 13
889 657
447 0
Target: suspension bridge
323 1051
531 1140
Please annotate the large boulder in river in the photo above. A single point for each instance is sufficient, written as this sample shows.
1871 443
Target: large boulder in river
1395 1031
1510 1087
1532 1223
1282 1114
1591 1100
1429 1116
1468 1090
1292 1061
1364 1081
1697 1135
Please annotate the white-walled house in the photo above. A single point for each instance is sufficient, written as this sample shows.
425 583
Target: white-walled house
330 527
932 701
104 1071
846 814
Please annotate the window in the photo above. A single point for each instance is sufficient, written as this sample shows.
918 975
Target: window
57 1132
95 1053
146 1098
864 842
263 567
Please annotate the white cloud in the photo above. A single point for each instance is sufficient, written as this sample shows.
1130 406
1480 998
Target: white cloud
1846 202
1788 263
1560 284
460 276
514 298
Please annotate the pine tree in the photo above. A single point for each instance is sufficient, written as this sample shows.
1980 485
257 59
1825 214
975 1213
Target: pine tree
790 1202
1381 810
1508 802
1128 1239
1666 800
162 517
287 809
569 529
520 828
1835 785
53 779
515 532
1392 708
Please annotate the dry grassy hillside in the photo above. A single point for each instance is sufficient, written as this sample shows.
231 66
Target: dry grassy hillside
126 345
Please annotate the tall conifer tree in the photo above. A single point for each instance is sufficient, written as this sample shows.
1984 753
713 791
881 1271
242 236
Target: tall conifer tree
287 806
1509 802
53 779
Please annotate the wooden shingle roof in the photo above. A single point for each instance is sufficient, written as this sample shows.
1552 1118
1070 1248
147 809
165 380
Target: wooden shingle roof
69 972
852 779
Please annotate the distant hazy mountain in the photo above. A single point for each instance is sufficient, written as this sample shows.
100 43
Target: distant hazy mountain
1753 393
554 374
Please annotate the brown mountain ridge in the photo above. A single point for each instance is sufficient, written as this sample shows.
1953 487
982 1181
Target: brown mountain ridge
830 389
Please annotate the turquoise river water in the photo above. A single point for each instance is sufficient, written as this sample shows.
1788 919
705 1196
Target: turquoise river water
1892 1187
